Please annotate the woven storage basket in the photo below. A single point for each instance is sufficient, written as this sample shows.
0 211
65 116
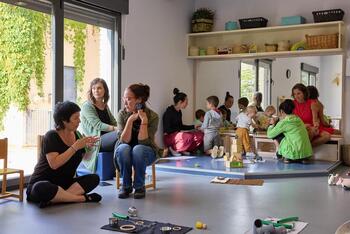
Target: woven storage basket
202 25
322 41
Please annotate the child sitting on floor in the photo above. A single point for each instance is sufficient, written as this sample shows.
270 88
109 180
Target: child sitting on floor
263 118
295 144
244 120
211 124
199 118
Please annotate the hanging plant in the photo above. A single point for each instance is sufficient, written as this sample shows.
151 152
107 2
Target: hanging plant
22 55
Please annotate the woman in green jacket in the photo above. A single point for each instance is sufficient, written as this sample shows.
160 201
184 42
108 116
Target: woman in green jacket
97 120
295 145
137 126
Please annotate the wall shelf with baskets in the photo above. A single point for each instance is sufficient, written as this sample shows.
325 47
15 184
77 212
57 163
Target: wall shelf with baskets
258 37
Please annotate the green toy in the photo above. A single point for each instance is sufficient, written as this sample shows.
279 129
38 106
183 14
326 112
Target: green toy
288 219
288 226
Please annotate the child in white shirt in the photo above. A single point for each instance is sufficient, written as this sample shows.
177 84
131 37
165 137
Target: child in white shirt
244 120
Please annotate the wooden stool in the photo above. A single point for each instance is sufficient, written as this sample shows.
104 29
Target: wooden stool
6 171
150 185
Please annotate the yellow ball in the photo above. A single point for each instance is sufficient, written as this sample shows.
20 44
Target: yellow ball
199 225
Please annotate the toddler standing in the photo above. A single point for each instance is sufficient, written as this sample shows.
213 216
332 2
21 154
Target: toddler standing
244 120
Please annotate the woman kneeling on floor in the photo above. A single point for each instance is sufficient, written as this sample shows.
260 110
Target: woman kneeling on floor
295 145
63 149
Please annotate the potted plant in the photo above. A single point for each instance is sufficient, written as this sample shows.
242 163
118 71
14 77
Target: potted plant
202 20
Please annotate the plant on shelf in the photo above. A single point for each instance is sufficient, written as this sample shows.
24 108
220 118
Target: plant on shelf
202 20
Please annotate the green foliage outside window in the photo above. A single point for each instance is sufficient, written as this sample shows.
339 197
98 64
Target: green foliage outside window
247 81
23 35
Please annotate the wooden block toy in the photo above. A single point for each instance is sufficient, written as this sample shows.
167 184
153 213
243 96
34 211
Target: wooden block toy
234 164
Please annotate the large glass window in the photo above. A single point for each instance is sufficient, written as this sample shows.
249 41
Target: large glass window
255 76
308 74
25 79
37 69
88 51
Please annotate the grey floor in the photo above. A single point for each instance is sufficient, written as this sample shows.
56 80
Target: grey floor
183 199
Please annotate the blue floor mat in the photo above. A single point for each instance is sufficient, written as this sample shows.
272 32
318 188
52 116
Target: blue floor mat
271 168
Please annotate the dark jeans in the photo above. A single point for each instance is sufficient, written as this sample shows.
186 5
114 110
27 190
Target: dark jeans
108 141
138 157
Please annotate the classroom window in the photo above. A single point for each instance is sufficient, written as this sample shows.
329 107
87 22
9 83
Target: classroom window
255 76
308 74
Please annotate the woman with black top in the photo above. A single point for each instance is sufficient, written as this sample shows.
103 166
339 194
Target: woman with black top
227 105
97 120
53 179
175 137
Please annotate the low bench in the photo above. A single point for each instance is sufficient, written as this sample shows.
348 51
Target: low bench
264 146
330 151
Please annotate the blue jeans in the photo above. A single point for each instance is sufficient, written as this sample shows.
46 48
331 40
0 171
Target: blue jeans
139 157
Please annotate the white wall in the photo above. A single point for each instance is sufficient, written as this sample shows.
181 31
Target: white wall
330 69
155 42
283 86
217 78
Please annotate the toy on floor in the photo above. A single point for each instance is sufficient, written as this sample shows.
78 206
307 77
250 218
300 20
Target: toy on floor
200 225
234 160
260 227
339 181
332 179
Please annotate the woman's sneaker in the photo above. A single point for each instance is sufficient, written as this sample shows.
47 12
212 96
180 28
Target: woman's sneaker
140 193
214 152
124 193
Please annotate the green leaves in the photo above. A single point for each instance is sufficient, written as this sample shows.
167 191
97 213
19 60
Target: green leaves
23 43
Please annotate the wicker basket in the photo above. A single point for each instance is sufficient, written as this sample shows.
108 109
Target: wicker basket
202 25
322 41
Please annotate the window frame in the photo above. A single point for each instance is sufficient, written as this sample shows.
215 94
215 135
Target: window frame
257 64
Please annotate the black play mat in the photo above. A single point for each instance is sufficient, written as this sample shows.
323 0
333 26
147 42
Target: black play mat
148 227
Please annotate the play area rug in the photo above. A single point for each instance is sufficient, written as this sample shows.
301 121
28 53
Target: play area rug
146 227
223 180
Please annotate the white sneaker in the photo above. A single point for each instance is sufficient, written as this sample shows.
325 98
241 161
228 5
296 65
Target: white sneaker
250 155
214 152
174 152
221 152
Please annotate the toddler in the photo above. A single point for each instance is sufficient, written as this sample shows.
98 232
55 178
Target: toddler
210 126
244 120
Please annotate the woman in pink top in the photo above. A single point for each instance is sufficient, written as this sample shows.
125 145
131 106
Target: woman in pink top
318 133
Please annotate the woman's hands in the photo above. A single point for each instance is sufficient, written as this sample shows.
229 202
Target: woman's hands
139 114
88 141
143 116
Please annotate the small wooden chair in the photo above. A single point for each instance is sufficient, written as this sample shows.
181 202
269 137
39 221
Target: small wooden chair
150 185
5 171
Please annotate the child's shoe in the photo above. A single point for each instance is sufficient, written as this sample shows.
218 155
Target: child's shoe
250 155
214 152
174 152
221 152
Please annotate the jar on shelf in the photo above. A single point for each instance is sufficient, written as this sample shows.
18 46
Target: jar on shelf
211 50
202 51
194 51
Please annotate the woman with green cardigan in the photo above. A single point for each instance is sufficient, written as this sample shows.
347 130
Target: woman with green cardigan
294 144
97 120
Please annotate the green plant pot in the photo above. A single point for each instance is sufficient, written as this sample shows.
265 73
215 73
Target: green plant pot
202 25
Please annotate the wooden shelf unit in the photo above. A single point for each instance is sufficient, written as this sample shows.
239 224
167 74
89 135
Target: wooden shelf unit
270 35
